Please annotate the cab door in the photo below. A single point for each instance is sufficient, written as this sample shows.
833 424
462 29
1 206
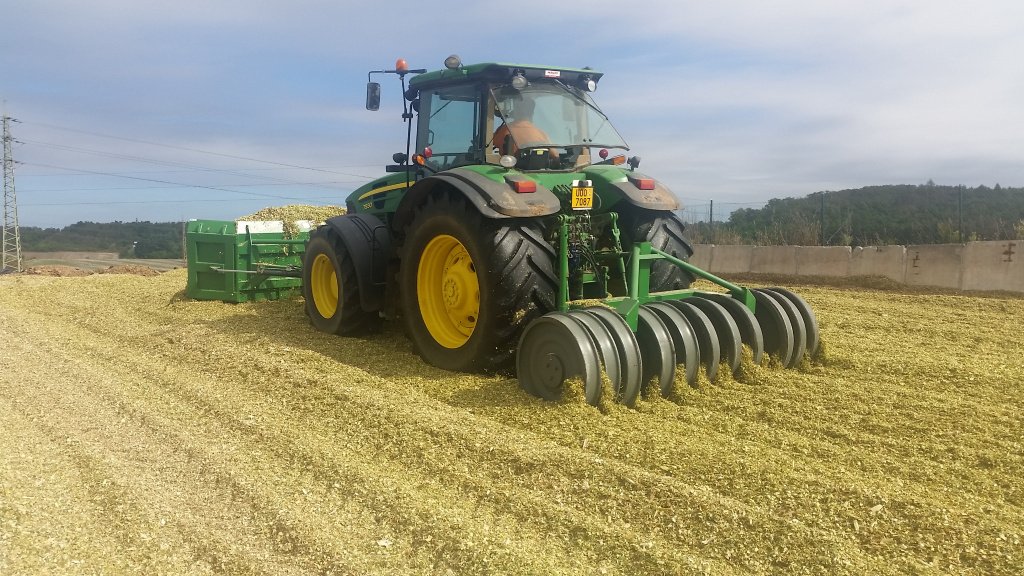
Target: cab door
451 126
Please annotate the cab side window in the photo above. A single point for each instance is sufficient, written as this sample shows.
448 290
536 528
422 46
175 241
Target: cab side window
450 126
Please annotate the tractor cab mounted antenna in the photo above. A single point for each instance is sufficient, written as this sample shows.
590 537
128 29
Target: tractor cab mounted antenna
373 104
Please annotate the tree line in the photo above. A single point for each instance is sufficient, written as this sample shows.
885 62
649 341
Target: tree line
875 216
869 216
128 239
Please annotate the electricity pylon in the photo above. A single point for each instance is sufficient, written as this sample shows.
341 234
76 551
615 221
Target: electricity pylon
11 235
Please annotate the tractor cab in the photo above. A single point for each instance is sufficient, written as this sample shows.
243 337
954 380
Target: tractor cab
527 117
544 125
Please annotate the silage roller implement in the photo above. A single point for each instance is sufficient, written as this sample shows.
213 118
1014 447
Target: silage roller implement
645 338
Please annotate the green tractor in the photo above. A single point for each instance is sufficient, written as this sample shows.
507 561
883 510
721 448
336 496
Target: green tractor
515 233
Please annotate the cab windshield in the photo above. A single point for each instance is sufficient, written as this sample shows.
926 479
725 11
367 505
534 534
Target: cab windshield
550 114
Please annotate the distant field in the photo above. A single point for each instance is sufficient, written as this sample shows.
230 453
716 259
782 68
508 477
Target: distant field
94 261
144 433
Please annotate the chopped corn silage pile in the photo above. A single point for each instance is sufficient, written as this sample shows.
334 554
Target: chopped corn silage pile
292 213
144 433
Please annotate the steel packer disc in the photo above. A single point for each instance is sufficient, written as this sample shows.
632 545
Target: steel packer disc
683 338
797 321
607 351
729 339
553 349
775 325
630 363
810 320
656 349
750 330
707 337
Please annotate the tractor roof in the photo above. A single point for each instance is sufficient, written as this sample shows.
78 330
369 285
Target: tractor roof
500 72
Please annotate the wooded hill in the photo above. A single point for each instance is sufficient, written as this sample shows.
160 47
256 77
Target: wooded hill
128 239
876 215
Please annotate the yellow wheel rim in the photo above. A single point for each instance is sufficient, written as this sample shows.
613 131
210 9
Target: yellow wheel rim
448 291
324 286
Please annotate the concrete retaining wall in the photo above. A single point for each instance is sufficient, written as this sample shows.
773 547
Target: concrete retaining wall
888 261
731 259
993 266
971 266
701 257
823 260
773 260
934 265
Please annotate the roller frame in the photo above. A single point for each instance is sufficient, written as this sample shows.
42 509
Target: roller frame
774 321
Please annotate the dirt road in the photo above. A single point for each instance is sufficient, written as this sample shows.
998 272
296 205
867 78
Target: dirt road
144 433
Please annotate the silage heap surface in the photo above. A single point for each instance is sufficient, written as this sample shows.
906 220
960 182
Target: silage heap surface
144 433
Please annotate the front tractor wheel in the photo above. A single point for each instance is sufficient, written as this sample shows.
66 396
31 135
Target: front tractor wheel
330 287
470 285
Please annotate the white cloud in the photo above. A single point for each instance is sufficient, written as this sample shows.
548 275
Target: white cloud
736 101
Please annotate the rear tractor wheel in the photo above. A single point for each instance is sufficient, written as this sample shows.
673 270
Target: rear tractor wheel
470 285
664 230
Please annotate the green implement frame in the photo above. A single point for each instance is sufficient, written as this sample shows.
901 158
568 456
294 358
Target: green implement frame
636 275
228 261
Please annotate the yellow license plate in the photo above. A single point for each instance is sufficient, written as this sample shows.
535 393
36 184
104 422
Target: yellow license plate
582 197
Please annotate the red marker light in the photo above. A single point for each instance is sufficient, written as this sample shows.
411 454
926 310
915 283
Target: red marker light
603 153
524 186
643 183
520 184
427 152
401 65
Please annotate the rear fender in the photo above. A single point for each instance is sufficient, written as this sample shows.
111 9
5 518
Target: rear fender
626 185
492 199
369 245
660 198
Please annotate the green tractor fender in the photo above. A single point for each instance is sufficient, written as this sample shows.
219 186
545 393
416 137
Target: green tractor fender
368 243
492 198
657 198
635 188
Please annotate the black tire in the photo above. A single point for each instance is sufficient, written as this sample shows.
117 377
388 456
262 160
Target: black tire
664 230
513 267
330 287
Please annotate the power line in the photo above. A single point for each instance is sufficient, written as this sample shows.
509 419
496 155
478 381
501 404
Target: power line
246 171
180 184
113 188
186 148
113 202
172 163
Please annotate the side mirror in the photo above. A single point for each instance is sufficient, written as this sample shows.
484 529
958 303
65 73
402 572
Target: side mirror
372 96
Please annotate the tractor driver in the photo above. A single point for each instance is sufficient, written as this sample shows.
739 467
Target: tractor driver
521 129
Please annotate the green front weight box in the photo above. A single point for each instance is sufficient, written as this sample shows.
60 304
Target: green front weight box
244 261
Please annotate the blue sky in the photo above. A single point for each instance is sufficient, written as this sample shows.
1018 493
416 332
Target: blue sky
165 111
